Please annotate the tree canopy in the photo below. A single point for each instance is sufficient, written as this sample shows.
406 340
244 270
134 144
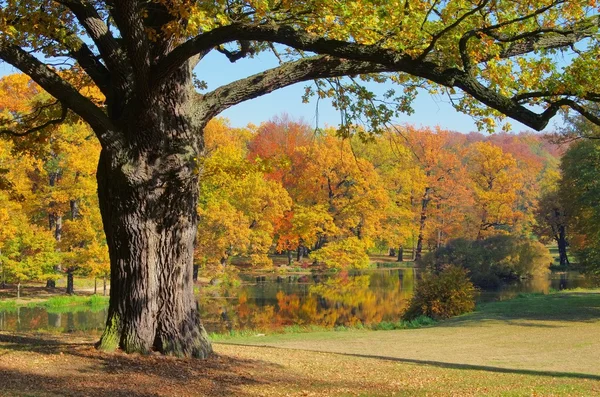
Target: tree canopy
492 58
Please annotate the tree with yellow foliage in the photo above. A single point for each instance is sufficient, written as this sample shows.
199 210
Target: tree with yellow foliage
496 182
239 206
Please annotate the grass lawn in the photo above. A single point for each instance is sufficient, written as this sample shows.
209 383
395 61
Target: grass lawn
533 345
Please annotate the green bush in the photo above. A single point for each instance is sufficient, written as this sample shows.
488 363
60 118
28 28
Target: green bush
493 260
442 294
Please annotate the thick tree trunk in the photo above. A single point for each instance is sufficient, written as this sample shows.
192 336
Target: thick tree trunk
150 226
148 196
401 254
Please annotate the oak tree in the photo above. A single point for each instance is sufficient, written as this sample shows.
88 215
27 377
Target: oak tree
492 57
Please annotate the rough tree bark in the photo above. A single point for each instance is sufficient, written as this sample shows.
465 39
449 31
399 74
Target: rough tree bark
148 197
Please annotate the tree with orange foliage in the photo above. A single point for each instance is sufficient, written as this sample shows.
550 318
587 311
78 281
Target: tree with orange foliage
438 170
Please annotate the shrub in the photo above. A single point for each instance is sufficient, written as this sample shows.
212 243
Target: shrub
442 294
494 259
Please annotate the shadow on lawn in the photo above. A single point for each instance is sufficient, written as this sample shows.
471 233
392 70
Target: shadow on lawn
440 364
77 368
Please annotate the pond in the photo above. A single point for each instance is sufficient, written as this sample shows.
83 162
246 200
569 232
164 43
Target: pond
260 302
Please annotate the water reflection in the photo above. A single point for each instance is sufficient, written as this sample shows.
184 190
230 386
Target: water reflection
325 301
272 302
38 318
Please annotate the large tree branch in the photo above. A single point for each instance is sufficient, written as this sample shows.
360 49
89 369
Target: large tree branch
128 15
99 32
283 76
58 88
390 60
92 66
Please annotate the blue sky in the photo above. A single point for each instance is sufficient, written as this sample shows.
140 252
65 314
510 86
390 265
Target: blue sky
216 70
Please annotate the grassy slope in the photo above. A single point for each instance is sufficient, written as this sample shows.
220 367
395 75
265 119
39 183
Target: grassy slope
538 345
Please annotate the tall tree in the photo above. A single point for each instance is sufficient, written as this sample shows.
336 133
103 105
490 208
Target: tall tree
140 55
496 182
438 167
551 216
580 197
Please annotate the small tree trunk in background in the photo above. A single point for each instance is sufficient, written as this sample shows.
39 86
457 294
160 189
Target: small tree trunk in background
104 286
70 286
95 285
562 246
414 254
401 254
50 283
196 270
300 253
424 203
290 257
19 290
74 204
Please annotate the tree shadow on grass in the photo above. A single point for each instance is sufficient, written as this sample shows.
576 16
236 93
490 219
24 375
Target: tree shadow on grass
441 364
77 368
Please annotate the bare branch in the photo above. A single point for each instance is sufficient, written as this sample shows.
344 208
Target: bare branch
448 28
244 51
63 115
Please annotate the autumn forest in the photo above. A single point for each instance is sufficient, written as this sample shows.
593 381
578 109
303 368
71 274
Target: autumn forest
288 190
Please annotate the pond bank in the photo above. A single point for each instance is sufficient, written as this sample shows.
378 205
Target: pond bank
534 344
555 332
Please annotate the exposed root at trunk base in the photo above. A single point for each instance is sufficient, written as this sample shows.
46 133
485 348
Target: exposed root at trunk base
109 342
192 342
186 344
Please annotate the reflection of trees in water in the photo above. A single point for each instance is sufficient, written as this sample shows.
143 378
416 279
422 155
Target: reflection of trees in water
336 300
36 318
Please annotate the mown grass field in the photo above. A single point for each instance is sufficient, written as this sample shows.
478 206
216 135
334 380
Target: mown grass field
532 345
